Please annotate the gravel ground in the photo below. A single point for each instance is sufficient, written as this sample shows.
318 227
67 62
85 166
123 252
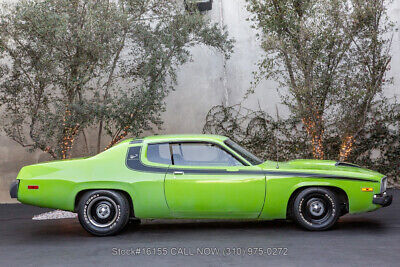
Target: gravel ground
54 215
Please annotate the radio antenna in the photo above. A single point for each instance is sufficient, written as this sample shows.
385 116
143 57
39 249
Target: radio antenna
276 138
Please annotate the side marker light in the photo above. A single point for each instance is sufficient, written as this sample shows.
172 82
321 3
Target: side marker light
33 187
367 189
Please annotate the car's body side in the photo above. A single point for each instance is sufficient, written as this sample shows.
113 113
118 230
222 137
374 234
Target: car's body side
261 191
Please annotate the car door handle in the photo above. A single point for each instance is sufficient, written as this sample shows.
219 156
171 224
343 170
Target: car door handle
178 173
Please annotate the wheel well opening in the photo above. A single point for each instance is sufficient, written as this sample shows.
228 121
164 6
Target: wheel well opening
128 197
343 199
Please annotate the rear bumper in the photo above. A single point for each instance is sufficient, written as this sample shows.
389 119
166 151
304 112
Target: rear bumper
382 199
14 189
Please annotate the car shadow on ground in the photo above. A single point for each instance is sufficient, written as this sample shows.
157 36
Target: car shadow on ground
71 229
275 225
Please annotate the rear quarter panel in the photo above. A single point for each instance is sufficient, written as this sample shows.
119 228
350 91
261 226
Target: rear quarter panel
56 180
60 182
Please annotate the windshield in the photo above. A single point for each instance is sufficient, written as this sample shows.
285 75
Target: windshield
243 152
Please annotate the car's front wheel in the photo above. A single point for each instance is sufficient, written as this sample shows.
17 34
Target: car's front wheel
103 212
316 208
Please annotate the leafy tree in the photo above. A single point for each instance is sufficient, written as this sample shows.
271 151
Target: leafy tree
367 64
331 56
377 146
72 65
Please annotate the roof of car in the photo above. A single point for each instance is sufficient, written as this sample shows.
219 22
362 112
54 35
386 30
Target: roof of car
183 137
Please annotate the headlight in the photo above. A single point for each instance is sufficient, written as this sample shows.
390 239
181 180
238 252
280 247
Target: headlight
383 184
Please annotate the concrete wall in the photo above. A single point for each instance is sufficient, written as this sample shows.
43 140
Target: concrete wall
204 83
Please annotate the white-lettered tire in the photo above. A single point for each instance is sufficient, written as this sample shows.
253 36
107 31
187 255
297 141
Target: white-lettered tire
316 208
103 212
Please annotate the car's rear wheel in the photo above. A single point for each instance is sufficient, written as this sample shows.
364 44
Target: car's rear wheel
316 208
103 212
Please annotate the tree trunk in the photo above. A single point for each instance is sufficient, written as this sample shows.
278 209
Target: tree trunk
315 132
318 148
99 136
69 134
346 147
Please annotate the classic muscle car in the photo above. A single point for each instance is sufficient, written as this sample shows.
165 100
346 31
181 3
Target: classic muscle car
198 176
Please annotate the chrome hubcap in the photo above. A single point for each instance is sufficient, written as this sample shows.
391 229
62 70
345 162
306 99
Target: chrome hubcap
316 208
103 211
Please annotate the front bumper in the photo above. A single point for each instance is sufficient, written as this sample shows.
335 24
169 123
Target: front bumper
382 199
14 189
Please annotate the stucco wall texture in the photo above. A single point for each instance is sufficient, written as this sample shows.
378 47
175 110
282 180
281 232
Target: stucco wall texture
206 81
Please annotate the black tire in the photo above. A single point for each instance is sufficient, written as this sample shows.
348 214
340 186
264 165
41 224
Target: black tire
316 208
103 212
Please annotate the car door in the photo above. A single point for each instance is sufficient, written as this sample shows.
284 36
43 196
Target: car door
207 181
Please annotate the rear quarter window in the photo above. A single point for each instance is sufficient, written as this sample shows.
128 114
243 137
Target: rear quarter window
159 153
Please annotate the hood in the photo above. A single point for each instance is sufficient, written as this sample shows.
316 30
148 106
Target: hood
323 167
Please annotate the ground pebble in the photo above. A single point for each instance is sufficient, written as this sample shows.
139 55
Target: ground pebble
53 215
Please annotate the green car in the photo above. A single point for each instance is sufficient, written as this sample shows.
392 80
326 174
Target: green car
198 176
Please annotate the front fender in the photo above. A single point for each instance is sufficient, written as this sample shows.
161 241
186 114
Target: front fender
280 189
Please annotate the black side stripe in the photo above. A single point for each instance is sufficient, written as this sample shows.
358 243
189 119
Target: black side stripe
133 162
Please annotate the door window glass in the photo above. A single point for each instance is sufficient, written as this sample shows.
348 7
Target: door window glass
202 154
